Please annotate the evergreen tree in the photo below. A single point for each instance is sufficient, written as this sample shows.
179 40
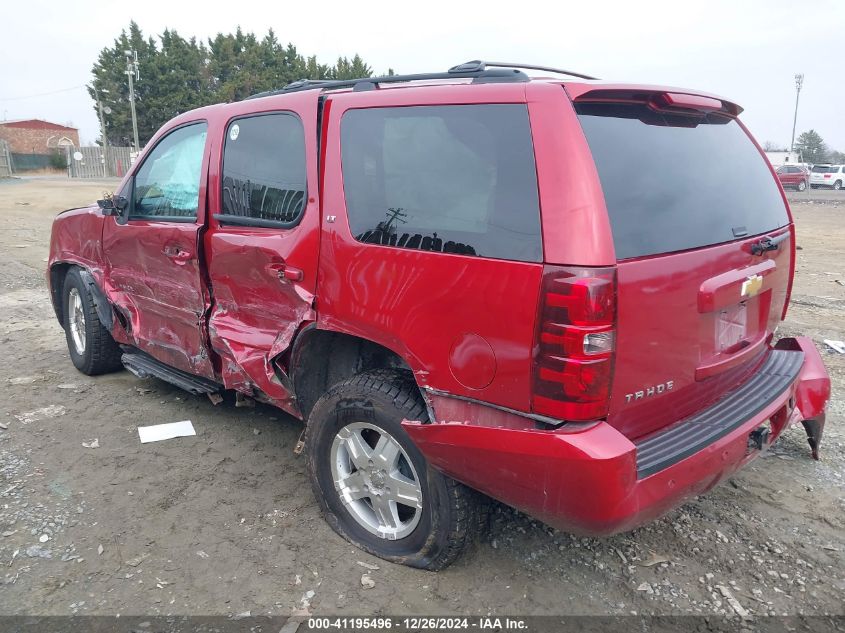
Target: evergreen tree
812 147
179 74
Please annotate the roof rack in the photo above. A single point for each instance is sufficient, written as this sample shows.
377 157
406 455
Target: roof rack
478 75
482 65
477 70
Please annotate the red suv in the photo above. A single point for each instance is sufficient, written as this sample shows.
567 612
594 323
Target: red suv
793 177
455 281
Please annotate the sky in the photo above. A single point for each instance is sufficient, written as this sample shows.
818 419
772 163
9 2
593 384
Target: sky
745 50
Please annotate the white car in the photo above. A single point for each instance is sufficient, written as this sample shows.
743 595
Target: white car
828 176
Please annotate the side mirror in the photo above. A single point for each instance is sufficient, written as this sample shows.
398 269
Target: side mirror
113 205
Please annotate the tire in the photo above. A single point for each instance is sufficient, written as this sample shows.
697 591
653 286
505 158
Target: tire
837 185
802 186
92 349
370 407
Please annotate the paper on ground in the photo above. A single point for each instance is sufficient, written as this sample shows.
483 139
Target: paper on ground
165 431
839 346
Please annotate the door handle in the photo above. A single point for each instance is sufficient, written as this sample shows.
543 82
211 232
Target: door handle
283 271
178 255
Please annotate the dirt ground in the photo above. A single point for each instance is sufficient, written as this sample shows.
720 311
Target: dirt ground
225 522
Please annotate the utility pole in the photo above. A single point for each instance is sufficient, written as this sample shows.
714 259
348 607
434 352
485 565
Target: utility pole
799 81
132 70
103 133
102 121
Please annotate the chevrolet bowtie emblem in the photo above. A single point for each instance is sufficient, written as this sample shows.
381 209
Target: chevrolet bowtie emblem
751 286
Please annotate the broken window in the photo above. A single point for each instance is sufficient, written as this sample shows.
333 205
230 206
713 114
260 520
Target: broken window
167 185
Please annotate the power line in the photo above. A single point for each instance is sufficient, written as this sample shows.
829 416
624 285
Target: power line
43 94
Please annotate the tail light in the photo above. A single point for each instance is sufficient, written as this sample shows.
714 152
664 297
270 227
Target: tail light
575 342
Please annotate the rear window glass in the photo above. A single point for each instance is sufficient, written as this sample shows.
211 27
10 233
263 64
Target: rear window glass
673 183
822 169
450 179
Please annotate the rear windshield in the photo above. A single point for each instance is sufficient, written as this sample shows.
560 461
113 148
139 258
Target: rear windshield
673 182
823 169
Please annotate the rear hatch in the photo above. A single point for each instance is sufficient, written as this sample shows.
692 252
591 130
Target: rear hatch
822 175
689 196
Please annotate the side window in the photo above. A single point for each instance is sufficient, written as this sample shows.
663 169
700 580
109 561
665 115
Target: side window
264 171
168 182
453 179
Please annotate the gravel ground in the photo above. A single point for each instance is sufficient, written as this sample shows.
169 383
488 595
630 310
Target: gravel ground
93 522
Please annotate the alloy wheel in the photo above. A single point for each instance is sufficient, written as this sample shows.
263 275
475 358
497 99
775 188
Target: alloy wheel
76 320
376 480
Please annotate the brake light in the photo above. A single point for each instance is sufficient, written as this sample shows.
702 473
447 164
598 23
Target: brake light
575 343
685 101
827 175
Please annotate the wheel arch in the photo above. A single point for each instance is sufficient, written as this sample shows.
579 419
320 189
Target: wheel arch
321 358
58 273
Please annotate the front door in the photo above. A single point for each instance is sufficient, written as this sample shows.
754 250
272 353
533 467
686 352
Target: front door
262 242
152 253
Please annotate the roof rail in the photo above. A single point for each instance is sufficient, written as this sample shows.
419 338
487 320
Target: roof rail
478 75
481 65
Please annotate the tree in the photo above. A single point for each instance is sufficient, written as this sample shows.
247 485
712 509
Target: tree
179 74
351 69
110 83
812 147
837 157
770 146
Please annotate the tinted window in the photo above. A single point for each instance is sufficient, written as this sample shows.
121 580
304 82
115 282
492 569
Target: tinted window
168 182
264 168
677 182
451 179
822 169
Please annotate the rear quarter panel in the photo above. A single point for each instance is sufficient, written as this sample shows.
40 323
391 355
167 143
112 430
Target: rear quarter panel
464 325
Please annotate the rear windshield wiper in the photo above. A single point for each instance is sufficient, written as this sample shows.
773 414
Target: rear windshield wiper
768 244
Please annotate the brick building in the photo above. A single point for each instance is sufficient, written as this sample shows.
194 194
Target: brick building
34 136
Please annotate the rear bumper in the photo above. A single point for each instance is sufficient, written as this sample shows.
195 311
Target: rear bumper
587 481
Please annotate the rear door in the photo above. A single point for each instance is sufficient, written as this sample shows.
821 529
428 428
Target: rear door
263 238
153 256
696 306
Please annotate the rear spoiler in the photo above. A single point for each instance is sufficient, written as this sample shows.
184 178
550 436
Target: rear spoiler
657 97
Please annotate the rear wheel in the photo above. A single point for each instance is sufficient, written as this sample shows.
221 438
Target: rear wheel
802 186
92 349
372 483
837 185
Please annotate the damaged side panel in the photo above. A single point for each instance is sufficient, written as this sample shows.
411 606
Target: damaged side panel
76 241
263 276
256 312
155 282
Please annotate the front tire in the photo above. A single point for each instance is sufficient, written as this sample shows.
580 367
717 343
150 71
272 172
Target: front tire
374 486
92 349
